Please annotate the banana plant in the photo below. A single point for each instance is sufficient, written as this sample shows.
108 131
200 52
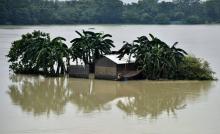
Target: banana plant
90 46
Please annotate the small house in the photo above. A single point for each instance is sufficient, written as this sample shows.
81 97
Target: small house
111 67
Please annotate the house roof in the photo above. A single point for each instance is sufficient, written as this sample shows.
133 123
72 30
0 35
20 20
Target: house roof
124 60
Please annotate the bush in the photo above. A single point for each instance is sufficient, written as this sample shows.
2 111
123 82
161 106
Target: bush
192 68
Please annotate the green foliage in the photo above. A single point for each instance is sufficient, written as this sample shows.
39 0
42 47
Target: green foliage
193 20
90 46
154 57
158 60
146 18
162 19
108 11
192 68
212 8
35 53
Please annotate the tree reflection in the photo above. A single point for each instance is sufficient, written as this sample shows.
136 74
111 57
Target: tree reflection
37 95
154 98
41 96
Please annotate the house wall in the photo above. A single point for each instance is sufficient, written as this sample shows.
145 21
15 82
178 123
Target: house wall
79 71
125 67
105 69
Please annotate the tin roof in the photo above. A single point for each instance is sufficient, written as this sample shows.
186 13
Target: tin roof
124 60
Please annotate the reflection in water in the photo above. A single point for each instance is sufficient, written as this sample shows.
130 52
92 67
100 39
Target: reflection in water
34 94
41 96
153 98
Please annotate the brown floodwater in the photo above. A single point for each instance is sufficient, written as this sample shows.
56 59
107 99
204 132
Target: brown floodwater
39 105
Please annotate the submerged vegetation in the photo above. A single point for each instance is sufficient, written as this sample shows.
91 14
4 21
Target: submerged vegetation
193 68
109 11
160 61
155 57
36 53
90 46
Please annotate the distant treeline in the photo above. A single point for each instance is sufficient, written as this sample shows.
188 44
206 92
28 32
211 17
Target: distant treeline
109 12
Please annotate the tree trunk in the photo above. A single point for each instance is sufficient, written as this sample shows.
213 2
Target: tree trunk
58 69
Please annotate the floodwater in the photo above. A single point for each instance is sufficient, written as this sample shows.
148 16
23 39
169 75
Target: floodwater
38 105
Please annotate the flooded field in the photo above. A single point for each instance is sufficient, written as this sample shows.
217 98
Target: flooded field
38 105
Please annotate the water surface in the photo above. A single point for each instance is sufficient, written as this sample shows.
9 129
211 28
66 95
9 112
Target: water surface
34 104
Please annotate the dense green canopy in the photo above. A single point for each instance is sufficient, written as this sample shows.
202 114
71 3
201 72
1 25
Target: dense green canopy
36 53
108 11
158 60
90 46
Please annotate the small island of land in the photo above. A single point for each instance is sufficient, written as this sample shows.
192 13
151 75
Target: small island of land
148 57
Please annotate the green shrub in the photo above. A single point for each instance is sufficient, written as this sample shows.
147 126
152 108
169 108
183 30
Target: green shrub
159 61
192 68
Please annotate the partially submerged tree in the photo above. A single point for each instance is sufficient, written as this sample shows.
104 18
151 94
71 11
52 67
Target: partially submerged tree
61 53
158 60
90 46
36 53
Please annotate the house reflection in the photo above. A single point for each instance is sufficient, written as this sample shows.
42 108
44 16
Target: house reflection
41 96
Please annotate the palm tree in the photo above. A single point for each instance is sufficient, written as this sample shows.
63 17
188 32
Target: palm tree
176 56
60 51
125 50
90 46
53 53
101 44
80 47
178 53
154 56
